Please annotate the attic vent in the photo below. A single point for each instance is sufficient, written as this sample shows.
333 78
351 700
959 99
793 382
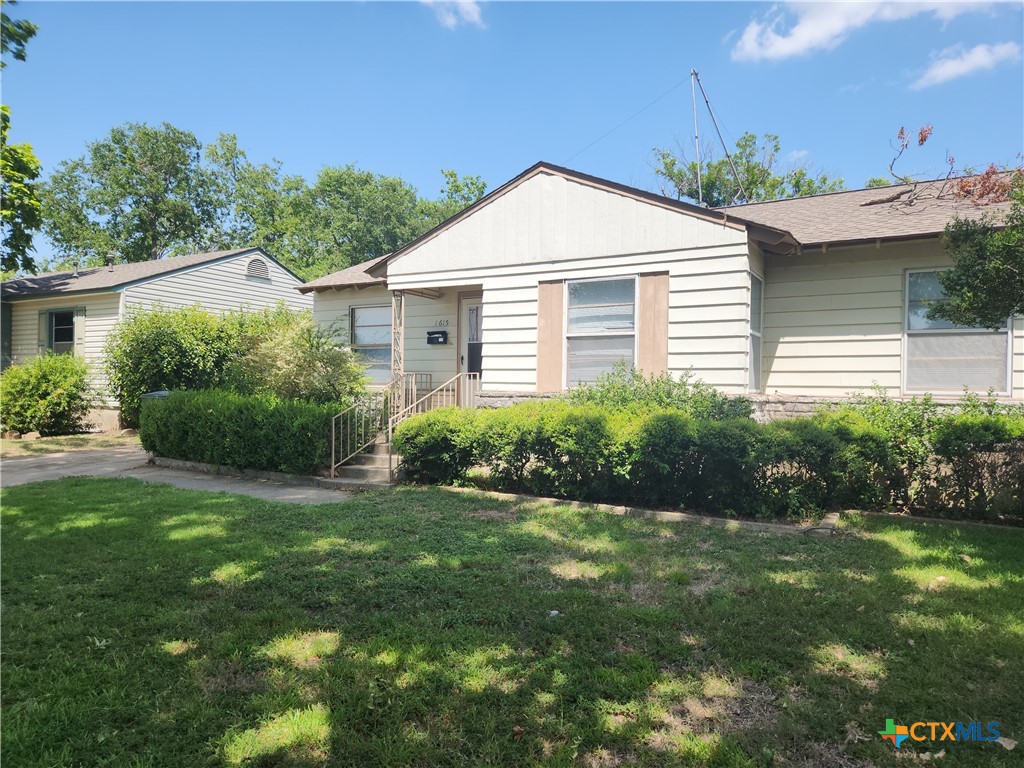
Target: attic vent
258 268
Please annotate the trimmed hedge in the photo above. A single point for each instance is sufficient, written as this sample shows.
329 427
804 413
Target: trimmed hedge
245 431
667 458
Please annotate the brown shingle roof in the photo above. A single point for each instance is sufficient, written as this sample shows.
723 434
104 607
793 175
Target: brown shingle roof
881 213
356 276
106 278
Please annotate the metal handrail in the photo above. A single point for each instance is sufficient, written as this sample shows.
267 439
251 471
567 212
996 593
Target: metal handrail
361 425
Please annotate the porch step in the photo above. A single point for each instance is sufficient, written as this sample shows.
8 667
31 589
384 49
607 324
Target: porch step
354 473
377 459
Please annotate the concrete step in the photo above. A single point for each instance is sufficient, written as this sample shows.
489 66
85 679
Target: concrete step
352 473
369 460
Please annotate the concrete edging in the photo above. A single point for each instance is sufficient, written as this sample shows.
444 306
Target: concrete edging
826 526
262 474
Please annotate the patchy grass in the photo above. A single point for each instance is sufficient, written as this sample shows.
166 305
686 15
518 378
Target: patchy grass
149 626
44 445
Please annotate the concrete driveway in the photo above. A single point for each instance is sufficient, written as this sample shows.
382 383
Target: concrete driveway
132 461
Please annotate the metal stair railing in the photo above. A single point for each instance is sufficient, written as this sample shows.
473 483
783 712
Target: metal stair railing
460 390
362 424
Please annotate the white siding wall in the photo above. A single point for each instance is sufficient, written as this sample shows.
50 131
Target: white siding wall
550 228
101 314
331 308
834 321
220 287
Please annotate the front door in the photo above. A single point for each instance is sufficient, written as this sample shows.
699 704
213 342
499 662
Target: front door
471 336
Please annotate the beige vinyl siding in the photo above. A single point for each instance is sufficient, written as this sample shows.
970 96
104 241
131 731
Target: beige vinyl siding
833 322
332 308
101 314
220 287
550 228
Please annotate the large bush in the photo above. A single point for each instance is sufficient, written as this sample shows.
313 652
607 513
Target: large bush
626 387
437 446
973 465
279 352
49 394
248 431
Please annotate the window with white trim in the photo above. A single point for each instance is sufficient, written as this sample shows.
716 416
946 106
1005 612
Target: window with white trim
941 356
371 341
756 302
600 327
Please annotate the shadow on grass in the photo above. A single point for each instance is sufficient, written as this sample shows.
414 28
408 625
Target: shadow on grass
145 625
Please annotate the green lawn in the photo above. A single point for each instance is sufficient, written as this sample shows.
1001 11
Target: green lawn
144 625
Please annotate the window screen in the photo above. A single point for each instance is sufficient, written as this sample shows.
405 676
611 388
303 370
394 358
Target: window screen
62 332
944 357
371 340
601 324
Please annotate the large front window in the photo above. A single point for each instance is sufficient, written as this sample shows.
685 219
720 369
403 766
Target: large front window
371 341
600 327
944 357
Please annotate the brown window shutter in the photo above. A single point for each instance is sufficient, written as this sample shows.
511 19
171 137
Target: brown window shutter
550 339
652 346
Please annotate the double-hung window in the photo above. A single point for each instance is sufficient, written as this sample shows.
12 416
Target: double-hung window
60 331
756 302
371 341
600 327
941 356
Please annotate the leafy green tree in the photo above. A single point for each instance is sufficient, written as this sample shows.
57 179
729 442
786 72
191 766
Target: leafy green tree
19 200
986 284
877 181
143 192
756 165
14 35
458 193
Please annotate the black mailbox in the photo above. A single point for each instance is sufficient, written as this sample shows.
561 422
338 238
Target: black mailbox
437 337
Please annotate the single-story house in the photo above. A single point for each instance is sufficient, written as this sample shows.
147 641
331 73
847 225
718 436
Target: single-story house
553 277
72 312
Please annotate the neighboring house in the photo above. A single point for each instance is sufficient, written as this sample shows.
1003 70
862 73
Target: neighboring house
72 312
553 277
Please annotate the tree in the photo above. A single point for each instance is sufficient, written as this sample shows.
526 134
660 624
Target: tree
142 192
756 166
14 34
986 284
19 199
458 193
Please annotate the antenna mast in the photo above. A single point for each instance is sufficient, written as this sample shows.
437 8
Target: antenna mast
696 135
711 112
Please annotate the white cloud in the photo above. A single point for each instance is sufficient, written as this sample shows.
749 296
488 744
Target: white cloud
452 13
798 155
956 62
799 28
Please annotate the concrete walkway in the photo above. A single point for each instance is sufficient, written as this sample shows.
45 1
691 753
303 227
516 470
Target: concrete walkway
132 461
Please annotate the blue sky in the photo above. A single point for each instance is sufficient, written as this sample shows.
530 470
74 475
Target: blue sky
490 88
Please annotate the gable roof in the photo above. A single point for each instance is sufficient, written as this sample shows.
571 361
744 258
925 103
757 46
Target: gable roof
95 279
899 212
726 218
356 276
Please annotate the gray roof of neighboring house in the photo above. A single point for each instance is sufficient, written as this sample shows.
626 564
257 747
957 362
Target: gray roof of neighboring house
353 277
95 279
902 211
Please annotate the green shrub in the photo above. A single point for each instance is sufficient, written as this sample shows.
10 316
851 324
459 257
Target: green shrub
984 455
663 461
726 467
865 474
571 452
248 431
437 446
273 351
290 355
507 440
626 387
49 394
